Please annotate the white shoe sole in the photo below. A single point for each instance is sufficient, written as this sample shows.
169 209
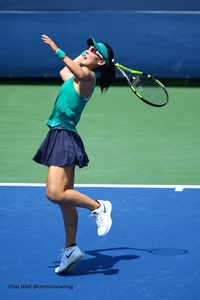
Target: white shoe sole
71 266
109 209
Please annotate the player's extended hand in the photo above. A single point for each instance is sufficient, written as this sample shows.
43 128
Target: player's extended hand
49 42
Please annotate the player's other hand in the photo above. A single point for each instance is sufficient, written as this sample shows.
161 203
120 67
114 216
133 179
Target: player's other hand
49 42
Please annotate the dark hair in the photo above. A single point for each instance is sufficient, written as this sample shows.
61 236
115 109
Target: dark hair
107 72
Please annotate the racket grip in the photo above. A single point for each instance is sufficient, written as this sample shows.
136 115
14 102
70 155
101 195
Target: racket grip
83 53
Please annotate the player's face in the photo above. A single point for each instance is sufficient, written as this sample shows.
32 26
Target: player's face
92 58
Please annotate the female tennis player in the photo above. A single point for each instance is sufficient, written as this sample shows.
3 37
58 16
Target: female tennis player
63 149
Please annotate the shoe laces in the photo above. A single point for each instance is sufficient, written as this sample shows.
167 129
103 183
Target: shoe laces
62 251
100 218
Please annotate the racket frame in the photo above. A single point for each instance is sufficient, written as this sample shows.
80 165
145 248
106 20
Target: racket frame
122 68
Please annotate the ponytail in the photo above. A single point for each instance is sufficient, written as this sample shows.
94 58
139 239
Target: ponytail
107 72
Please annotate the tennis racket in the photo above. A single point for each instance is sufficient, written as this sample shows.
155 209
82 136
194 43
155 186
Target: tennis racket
145 86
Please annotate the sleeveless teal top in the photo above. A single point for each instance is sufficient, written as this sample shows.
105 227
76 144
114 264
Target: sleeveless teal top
68 107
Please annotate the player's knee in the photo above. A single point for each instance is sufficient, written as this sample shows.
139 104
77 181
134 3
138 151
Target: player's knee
53 195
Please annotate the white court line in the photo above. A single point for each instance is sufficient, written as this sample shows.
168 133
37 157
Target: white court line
178 188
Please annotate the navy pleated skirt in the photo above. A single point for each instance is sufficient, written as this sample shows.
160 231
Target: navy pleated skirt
62 147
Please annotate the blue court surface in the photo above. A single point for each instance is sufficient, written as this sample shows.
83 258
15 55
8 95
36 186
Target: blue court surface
151 252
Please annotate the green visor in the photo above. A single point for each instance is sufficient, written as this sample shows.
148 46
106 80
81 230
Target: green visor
101 48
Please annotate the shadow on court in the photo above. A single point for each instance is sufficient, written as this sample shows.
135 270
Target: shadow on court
104 264
100 263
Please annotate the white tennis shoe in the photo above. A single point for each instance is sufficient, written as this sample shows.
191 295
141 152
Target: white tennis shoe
103 217
71 256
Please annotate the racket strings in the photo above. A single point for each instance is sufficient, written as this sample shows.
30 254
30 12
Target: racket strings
149 89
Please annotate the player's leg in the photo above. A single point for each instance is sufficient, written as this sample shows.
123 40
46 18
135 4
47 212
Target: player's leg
70 216
71 254
58 191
